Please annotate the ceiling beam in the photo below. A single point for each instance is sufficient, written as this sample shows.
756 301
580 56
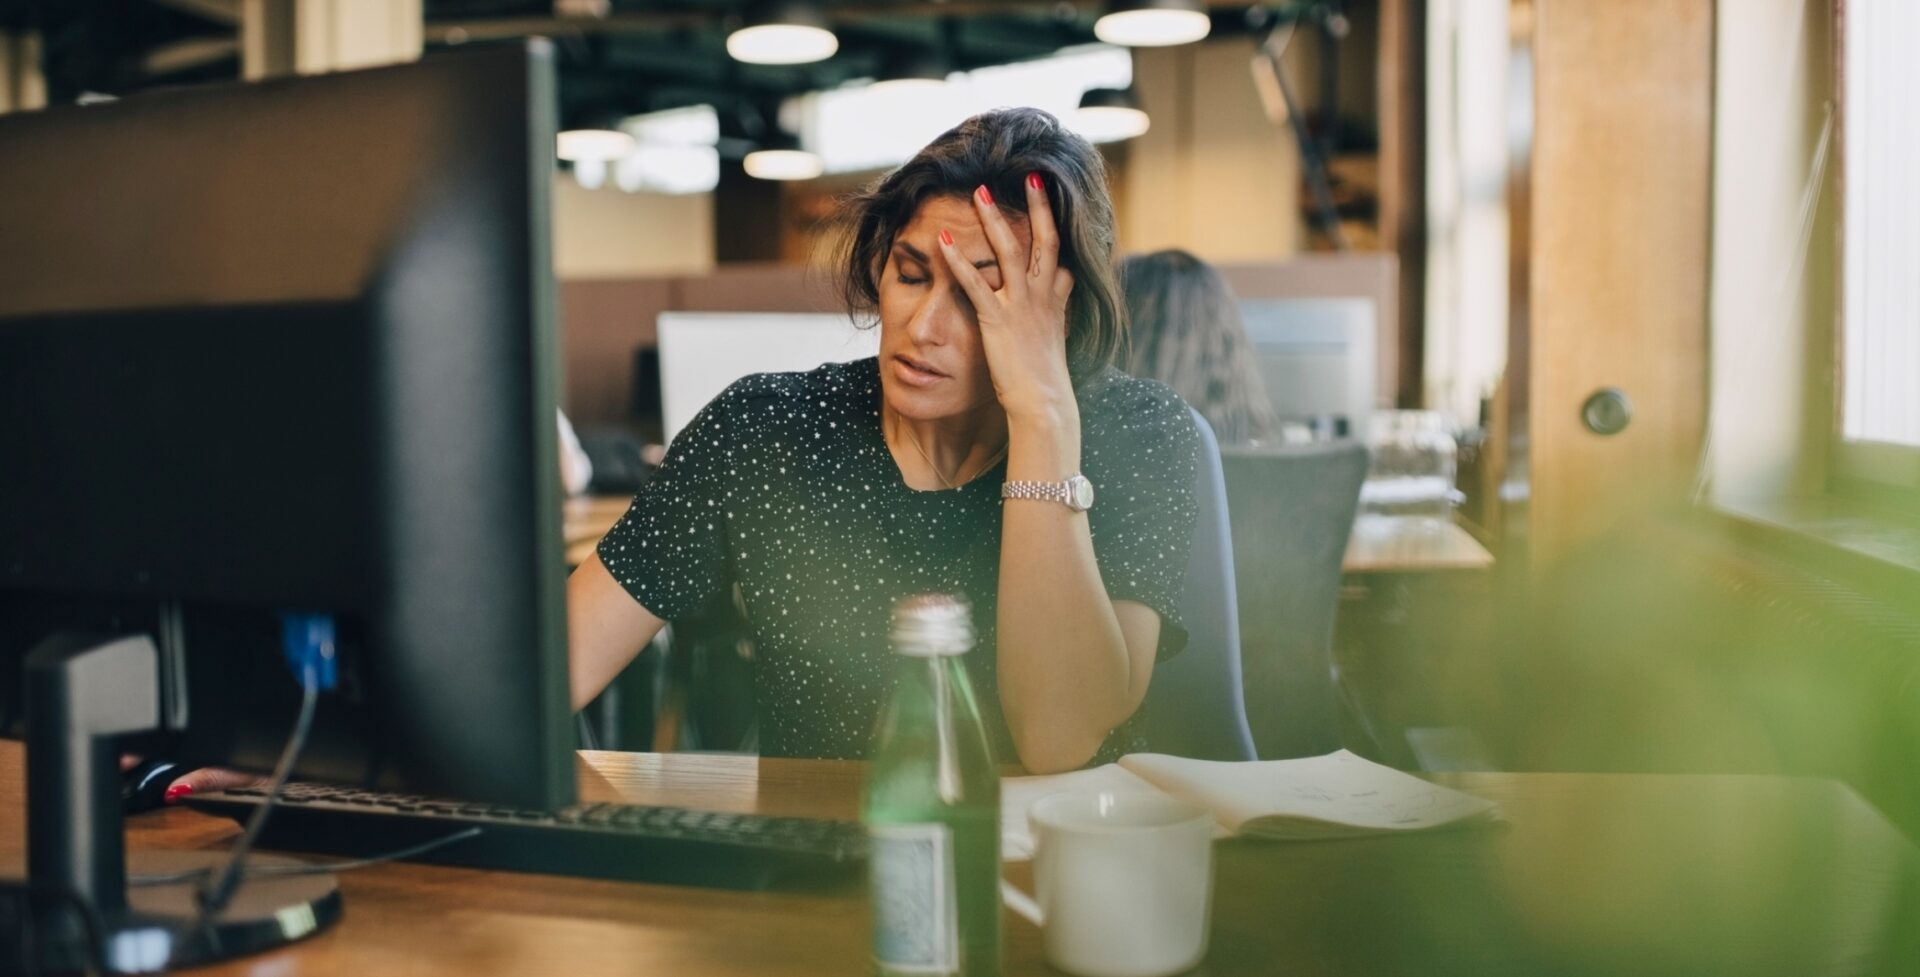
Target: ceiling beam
194 52
491 28
225 12
869 11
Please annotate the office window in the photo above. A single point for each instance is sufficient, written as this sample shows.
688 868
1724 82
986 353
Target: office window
1880 239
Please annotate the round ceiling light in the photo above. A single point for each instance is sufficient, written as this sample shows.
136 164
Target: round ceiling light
1108 115
791 33
782 164
1153 23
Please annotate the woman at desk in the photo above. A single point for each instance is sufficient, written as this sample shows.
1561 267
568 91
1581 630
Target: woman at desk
825 496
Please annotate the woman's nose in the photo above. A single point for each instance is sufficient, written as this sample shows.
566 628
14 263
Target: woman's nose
933 321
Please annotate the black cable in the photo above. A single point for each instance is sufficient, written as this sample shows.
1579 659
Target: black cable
214 898
267 871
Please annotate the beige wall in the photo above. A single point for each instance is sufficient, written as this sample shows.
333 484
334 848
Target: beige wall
22 85
1212 175
340 35
1774 213
609 233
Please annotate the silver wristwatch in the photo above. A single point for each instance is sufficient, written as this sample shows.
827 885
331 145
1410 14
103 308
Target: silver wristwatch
1075 492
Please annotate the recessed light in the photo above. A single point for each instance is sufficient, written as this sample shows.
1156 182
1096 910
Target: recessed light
1153 23
792 33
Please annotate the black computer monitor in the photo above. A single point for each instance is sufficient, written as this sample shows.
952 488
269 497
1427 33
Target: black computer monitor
284 347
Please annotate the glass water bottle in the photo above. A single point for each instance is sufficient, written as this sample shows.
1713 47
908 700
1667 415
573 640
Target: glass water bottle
932 806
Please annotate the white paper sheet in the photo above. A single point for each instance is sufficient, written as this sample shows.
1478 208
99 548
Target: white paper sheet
1336 795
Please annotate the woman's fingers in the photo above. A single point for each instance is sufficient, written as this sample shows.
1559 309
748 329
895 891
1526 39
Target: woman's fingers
966 274
1046 237
1007 248
211 778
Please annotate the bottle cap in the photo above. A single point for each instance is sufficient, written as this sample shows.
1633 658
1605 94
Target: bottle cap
932 625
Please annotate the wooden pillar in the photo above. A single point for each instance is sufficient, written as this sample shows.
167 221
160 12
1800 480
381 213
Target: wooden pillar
266 39
1403 170
1620 186
747 215
23 86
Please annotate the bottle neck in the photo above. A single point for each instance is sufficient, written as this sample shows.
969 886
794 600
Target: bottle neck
933 714
928 687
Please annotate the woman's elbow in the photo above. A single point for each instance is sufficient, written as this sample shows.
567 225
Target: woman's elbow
1056 751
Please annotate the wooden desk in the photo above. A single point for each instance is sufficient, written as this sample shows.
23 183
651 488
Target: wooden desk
1595 874
585 519
1411 544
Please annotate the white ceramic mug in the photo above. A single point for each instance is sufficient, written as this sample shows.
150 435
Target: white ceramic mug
1123 883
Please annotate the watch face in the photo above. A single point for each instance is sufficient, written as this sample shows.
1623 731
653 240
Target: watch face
1082 493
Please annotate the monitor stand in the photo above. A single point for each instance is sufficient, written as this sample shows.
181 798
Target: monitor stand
84 694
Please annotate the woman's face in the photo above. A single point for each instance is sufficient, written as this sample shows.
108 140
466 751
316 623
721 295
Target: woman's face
932 365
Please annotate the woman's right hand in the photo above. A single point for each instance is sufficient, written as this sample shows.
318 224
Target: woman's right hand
209 779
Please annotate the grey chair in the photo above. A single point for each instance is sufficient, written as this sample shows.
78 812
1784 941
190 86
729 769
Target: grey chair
1195 702
1292 510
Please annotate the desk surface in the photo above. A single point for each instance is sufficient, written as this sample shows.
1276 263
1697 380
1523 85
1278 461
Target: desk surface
1411 544
585 519
1594 874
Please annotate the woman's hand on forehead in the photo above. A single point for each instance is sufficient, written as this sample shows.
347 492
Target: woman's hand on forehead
1023 322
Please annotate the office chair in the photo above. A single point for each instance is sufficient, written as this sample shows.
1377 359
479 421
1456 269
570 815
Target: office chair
1195 704
1292 509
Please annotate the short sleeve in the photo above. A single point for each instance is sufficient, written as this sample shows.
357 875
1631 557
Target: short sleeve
1141 454
669 551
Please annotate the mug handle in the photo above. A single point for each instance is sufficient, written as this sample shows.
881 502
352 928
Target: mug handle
1021 903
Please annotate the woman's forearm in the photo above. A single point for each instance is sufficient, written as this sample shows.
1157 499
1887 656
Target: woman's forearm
1065 673
606 628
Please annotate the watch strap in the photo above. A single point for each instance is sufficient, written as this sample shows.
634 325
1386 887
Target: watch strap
1038 491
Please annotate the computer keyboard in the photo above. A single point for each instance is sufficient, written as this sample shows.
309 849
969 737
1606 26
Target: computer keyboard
605 841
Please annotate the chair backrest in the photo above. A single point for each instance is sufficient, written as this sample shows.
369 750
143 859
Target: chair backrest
1194 705
1292 509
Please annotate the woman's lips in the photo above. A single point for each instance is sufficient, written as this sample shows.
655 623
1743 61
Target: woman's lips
911 371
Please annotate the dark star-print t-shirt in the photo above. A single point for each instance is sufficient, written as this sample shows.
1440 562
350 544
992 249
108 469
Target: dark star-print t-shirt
783 487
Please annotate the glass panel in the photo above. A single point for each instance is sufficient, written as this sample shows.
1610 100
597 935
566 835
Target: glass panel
1881 327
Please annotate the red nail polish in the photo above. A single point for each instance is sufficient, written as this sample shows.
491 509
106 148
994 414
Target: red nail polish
946 238
176 792
986 196
1033 180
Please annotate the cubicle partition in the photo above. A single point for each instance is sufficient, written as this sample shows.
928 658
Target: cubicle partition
607 323
1372 277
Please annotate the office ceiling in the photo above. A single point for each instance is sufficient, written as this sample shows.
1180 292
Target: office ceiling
640 55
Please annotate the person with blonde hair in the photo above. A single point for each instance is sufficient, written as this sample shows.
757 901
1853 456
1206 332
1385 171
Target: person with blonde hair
1187 333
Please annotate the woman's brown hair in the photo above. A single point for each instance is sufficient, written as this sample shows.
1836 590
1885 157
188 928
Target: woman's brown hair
997 150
